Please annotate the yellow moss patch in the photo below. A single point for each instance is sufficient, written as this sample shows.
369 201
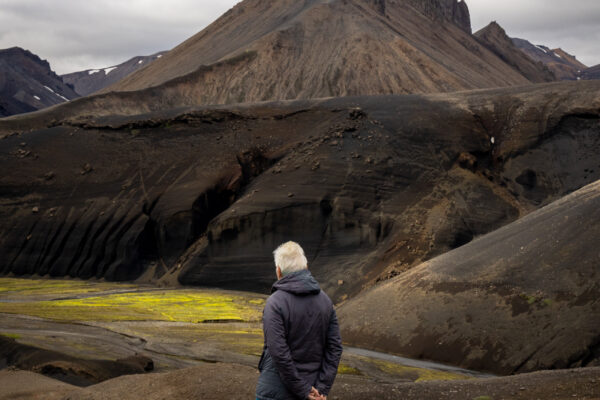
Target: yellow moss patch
164 305
29 287
344 369
421 374
11 335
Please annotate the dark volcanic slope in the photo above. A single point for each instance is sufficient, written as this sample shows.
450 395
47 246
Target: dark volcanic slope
591 73
27 83
93 80
539 275
370 186
318 48
495 38
561 63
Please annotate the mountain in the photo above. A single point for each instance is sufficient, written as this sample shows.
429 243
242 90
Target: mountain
92 80
519 299
564 65
591 73
263 50
28 84
371 186
495 38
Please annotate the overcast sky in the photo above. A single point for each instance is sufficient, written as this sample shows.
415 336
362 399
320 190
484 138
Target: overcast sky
75 35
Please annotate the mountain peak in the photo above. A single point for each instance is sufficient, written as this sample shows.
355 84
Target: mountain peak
20 52
261 51
494 37
28 83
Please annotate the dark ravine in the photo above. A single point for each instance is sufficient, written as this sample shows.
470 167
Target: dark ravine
373 185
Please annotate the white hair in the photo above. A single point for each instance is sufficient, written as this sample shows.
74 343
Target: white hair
289 257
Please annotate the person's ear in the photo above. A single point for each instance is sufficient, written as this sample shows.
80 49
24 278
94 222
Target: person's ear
279 274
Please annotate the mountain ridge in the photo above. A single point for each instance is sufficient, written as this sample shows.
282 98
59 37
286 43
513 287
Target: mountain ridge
27 83
494 37
564 65
92 80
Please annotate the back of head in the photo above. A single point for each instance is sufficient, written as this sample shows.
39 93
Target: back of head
289 257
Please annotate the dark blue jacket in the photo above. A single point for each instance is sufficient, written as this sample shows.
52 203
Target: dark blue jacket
302 340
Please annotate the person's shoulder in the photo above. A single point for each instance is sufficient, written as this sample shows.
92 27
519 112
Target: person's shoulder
325 298
275 297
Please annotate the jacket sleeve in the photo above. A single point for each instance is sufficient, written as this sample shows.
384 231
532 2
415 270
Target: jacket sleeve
331 358
276 342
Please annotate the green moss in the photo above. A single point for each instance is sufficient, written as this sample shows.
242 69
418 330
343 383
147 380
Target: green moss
344 369
547 302
10 335
529 299
417 374
482 398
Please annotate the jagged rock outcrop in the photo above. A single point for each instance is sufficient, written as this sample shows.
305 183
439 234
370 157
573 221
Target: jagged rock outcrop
92 80
27 83
455 11
495 38
562 64
370 186
522 298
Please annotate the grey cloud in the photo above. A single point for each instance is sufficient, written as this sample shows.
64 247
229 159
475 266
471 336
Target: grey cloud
75 35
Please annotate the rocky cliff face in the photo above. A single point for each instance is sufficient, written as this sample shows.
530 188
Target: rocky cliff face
27 83
455 11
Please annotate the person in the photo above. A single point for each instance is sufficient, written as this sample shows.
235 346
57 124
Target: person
303 346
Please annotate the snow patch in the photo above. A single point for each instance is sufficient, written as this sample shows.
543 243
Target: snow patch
62 97
159 56
141 61
557 55
93 71
578 78
109 70
542 49
37 98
